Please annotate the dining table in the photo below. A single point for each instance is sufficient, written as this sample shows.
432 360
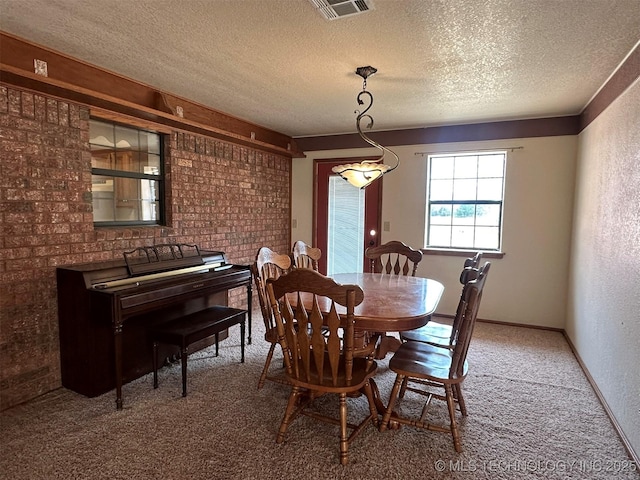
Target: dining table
392 303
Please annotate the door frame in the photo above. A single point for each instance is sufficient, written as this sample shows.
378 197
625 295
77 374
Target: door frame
373 207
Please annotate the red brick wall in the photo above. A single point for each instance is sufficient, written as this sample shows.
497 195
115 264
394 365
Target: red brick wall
220 196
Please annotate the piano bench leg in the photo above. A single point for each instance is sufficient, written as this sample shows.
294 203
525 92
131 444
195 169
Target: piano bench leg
242 327
185 354
216 344
155 364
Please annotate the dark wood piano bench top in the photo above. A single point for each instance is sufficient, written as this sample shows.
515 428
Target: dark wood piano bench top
185 331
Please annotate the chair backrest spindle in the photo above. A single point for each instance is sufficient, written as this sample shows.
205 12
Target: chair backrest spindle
394 257
305 256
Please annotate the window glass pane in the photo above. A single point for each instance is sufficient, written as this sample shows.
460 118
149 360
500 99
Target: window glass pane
462 236
490 189
440 236
464 189
441 190
491 165
149 200
487 238
488 215
101 157
152 164
102 194
135 199
102 134
442 167
127 161
440 215
464 214
466 167
126 192
127 138
149 142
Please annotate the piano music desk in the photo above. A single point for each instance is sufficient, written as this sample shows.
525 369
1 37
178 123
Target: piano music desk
192 328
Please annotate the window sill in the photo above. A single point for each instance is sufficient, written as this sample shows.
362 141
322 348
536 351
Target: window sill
461 253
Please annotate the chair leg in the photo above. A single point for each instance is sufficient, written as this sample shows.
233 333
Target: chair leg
288 413
451 403
403 388
392 402
460 398
344 435
267 362
373 410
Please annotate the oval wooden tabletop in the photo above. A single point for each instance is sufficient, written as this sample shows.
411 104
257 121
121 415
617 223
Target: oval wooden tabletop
393 303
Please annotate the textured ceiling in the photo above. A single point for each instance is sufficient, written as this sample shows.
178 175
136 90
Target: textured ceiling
282 65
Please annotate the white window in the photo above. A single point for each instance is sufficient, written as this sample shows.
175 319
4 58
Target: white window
464 201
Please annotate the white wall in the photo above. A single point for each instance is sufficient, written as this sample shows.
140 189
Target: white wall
603 318
528 285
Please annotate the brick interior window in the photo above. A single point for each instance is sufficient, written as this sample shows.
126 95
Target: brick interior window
127 176
464 201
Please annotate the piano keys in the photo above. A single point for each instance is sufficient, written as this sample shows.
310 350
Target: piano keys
105 309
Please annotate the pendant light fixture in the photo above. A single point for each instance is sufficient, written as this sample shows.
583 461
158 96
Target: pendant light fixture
362 174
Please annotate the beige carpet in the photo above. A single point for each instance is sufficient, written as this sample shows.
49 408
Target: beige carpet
532 414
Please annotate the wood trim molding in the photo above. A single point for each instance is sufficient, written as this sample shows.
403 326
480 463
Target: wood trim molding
76 81
539 127
632 453
628 73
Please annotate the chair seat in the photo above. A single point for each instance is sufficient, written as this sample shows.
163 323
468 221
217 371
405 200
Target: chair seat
421 360
362 371
433 332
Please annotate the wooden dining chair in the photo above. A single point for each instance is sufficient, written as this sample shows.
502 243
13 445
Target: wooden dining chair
393 257
421 367
305 256
319 349
268 264
441 334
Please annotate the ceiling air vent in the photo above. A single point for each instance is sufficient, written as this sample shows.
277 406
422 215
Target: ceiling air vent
332 9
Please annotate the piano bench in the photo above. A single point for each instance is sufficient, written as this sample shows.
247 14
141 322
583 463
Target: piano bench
184 331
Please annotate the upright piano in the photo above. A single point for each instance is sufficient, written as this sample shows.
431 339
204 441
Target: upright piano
105 309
